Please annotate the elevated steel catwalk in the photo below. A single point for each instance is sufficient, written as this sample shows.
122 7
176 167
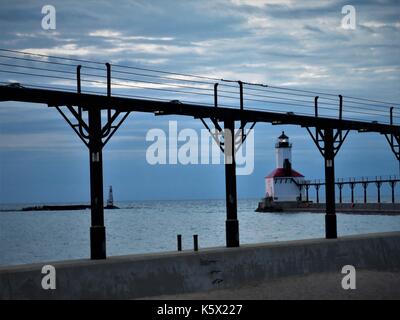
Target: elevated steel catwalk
55 98
328 137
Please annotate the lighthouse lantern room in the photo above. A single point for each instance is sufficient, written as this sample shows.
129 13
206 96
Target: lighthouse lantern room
283 184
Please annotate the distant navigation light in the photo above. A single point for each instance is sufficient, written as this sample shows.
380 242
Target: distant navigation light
110 200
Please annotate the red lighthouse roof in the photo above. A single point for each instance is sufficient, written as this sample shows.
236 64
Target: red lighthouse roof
280 172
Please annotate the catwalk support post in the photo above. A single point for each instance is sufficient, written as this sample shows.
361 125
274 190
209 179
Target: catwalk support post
232 223
330 217
97 229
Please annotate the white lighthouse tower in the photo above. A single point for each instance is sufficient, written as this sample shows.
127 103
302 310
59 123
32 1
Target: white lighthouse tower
283 184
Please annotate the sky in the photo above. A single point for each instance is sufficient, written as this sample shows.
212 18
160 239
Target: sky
296 44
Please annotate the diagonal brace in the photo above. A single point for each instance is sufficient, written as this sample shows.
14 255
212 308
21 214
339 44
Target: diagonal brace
107 131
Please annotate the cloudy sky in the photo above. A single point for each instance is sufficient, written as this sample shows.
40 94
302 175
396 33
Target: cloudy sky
296 44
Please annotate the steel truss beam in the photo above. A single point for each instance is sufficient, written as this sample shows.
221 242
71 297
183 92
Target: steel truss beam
394 142
319 139
393 139
81 128
218 134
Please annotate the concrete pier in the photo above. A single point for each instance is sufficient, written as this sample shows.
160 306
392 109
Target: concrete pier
139 276
349 208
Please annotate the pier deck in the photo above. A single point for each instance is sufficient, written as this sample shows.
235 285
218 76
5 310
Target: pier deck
348 208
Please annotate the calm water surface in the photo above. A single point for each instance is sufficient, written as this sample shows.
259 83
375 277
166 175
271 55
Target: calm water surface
152 226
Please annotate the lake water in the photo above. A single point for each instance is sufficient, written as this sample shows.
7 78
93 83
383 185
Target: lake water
152 226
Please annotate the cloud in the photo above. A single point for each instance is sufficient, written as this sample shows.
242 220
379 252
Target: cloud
64 50
39 141
261 3
104 33
283 3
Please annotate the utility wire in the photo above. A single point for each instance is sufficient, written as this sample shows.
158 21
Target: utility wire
352 103
181 86
177 91
194 76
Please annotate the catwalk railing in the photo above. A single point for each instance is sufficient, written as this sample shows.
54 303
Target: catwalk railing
364 182
39 71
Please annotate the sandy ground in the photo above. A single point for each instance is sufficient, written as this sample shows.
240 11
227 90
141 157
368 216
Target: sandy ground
369 285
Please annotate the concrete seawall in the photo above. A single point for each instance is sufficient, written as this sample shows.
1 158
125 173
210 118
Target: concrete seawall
184 272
